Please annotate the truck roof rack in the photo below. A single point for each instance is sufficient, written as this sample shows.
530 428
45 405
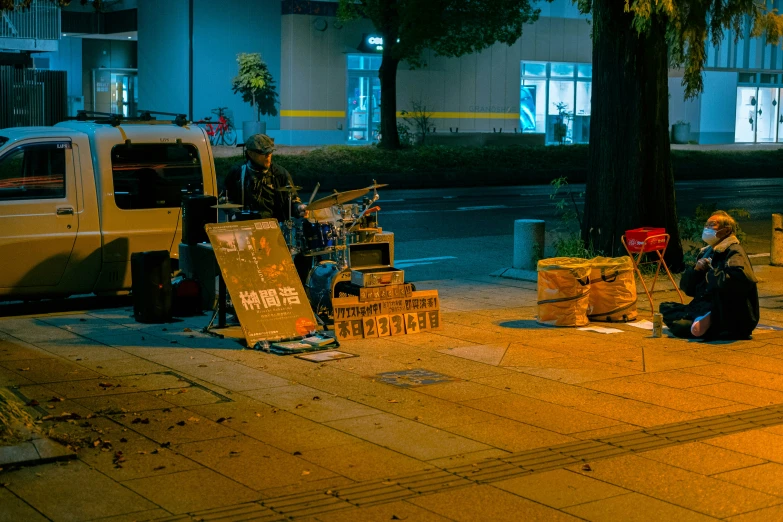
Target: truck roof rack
116 119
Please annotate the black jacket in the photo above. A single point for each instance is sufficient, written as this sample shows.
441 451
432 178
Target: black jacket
277 176
728 290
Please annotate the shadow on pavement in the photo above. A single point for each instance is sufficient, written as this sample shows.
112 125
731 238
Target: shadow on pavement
71 304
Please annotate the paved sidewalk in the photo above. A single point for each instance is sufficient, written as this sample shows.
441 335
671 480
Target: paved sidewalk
492 418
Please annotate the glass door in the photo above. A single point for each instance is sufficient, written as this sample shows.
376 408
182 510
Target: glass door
364 108
766 115
123 94
745 123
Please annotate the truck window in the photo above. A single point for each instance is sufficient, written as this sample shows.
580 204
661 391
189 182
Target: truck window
151 175
33 172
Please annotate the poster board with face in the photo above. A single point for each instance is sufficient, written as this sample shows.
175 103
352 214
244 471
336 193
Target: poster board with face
268 296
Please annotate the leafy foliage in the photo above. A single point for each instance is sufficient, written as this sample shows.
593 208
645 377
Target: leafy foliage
448 27
255 83
692 24
417 121
569 244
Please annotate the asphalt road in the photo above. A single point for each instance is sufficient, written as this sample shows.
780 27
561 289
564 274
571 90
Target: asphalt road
446 232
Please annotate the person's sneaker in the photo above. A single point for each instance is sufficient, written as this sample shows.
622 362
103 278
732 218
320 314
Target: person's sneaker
701 325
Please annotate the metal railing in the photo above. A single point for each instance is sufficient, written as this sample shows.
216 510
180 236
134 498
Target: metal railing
40 22
32 97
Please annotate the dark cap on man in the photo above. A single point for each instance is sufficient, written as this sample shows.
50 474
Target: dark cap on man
260 143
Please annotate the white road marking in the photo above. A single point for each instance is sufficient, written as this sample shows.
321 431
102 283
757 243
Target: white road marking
405 263
390 200
486 207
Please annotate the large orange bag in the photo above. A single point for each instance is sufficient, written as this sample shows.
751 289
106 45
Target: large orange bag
612 290
563 291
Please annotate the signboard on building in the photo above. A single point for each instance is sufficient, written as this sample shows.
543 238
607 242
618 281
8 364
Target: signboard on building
371 43
268 297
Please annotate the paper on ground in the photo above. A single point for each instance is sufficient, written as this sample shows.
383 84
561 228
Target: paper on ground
644 324
600 329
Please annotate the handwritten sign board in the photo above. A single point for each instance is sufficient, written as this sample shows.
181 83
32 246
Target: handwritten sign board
269 299
355 319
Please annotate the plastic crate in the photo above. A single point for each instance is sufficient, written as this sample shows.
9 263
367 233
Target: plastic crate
635 239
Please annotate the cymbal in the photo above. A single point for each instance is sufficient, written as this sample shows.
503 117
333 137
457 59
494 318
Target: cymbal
226 205
289 188
337 198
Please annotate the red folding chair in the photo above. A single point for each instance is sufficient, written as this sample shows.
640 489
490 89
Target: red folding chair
641 241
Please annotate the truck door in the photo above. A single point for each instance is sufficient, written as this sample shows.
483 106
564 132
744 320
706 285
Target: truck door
38 221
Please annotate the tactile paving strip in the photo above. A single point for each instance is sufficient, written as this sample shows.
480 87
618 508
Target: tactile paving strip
492 470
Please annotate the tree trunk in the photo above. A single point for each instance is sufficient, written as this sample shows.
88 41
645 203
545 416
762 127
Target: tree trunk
630 183
388 76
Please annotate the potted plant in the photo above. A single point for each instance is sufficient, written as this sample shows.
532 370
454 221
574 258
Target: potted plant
561 122
681 132
257 87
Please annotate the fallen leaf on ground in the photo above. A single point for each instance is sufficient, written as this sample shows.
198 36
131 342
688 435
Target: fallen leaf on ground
316 398
299 406
587 467
158 468
194 419
105 384
305 472
33 403
223 419
24 369
180 423
123 439
392 400
202 365
297 453
56 399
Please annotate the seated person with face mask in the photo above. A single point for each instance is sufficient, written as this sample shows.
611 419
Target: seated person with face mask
725 301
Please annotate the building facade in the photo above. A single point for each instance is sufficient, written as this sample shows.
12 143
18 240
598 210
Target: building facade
182 57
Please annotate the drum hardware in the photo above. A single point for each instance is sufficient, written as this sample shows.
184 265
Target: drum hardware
315 191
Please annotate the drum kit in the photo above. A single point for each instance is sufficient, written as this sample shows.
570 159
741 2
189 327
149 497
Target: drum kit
324 234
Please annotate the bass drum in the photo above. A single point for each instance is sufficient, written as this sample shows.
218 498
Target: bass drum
319 287
322 282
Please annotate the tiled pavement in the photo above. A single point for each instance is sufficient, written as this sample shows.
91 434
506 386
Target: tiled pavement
497 419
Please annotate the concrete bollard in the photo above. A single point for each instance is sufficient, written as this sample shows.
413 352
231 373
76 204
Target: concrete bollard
776 243
528 243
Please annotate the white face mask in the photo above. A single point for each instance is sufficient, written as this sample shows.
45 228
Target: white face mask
709 236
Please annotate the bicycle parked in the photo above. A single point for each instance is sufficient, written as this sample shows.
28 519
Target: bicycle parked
222 132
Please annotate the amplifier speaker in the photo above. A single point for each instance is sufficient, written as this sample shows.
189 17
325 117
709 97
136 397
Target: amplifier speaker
196 213
151 286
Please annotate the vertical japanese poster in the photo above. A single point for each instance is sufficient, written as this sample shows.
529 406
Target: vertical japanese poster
269 299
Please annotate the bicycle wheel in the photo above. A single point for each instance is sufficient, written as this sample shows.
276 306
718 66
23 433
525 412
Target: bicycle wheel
230 136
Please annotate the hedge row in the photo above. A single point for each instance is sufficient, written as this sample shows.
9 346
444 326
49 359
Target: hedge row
343 167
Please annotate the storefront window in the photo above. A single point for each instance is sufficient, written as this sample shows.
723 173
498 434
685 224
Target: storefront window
555 100
562 70
363 98
534 69
364 62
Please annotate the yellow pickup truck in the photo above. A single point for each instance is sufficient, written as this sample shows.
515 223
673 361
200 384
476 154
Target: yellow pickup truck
77 199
